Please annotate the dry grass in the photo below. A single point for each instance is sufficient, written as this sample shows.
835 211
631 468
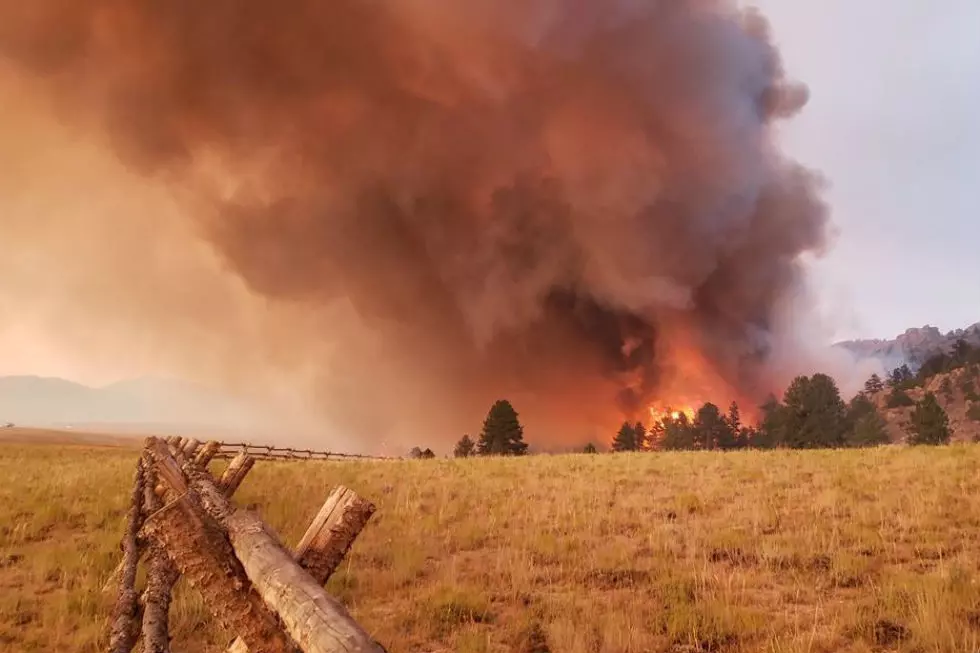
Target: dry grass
780 551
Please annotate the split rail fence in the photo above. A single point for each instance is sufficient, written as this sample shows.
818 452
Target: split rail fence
264 452
182 522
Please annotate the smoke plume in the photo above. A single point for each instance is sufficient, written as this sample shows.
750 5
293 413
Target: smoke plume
579 206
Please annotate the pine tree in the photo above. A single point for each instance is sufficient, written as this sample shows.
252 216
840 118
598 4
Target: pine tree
590 448
873 385
772 430
465 447
815 413
901 378
733 422
678 434
929 424
625 439
642 437
866 426
502 433
710 428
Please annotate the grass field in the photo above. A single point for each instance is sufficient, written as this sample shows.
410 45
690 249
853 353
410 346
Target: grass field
872 550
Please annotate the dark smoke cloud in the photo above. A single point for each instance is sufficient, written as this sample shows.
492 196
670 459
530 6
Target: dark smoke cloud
571 203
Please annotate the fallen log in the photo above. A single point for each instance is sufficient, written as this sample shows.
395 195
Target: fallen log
202 553
125 619
314 620
327 540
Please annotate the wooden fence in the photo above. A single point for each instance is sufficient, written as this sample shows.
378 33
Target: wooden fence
184 522
267 452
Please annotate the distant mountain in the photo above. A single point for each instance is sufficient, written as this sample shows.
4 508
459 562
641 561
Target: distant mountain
912 347
141 405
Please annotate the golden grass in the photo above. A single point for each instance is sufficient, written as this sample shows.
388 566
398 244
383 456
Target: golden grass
784 552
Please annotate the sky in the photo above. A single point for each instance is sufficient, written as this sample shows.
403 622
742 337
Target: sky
894 124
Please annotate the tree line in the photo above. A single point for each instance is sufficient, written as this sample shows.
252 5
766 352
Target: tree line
810 415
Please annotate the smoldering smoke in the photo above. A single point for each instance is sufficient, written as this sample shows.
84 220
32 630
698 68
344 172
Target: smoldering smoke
543 199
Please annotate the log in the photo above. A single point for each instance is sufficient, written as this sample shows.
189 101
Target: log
332 532
161 576
124 621
327 540
190 447
236 472
201 552
315 621
207 454
113 580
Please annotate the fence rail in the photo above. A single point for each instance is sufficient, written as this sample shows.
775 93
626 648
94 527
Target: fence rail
265 452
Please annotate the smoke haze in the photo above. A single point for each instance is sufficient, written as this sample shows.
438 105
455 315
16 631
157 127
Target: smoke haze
402 211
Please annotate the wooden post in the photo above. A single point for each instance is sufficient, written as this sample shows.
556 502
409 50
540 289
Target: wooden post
315 621
332 532
328 539
190 447
236 472
201 552
125 619
207 453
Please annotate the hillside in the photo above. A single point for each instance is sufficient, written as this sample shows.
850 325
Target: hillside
145 404
951 390
912 347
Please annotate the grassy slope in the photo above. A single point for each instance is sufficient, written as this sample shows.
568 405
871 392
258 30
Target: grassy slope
778 551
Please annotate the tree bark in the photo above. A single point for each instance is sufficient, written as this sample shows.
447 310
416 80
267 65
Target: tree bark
160 579
207 454
190 448
237 470
316 621
332 532
328 539
125 619
201 552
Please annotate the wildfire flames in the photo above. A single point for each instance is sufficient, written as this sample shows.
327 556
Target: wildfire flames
660 412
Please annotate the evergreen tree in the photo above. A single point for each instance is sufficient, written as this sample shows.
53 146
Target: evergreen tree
874 385
733 437
590 448
901 378
625 439
427 454
710 429
929 423
502 433
898 398
815 413
678 433
465 447
415 453
642 437
772 429
866 426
